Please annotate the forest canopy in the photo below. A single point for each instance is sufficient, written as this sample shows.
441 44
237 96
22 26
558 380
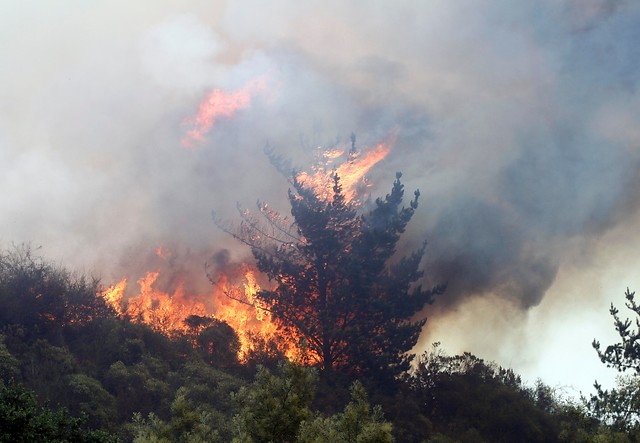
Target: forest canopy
110 378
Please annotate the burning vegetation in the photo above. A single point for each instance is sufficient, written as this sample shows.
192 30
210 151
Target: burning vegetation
236 297
169 312
351 167
333 283
62 343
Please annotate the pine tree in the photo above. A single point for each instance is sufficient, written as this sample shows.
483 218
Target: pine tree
335 284
619 407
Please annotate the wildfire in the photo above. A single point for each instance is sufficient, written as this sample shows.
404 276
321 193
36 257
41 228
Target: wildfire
114 294
351 172
232 302
163 311
217 104
237 305
233 299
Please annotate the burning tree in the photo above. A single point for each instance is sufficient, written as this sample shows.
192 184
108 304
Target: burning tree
337 285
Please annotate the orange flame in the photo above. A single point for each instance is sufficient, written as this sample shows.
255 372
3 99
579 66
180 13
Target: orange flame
218 104
351 172
162 311
236 304
113 295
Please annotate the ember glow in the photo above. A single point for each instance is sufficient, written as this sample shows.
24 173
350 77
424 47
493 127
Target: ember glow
218 104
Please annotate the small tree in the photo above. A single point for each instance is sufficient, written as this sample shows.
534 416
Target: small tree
620 407
44 297
626 354
188 424
336 283
359 423
215 340
274 405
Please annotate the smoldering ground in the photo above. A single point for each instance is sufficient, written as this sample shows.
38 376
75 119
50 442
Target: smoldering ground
516 121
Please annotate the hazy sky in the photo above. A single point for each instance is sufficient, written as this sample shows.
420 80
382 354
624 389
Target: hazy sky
517 121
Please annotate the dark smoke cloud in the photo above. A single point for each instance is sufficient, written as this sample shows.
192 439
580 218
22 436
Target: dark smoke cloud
517 121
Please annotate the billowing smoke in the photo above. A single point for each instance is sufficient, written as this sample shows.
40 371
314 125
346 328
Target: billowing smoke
516 121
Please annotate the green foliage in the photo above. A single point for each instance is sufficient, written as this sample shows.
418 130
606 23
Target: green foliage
217 342
104 341
208 385
213 391
9 365
626 354
463 394
112 372
275 408
335 284
137 382
46 367
86 396
274 405
267 353
579 426
22 420
43 297
357 424
619 408
188 424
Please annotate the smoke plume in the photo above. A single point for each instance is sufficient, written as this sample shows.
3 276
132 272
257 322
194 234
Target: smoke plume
517 122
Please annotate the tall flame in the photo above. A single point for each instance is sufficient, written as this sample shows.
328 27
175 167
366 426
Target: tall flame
217 104
113 295
237 305
231 301
351 172
162 311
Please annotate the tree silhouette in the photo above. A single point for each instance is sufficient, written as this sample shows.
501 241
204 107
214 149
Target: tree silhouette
337 284
619 407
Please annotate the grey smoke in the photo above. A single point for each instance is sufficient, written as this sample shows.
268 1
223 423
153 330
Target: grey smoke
517 121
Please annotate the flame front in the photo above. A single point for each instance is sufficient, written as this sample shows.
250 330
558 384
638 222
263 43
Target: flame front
234 303
162 311
217 104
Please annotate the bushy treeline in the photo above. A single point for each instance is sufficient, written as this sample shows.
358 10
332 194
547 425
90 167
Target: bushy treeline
71 370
